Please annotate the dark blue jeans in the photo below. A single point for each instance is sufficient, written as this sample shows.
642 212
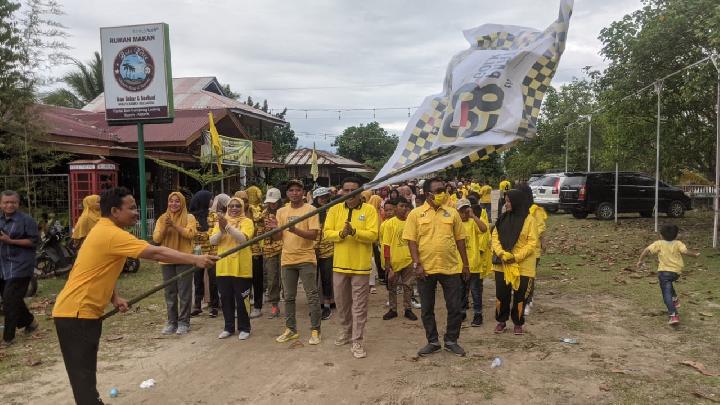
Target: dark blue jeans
668 292
473 288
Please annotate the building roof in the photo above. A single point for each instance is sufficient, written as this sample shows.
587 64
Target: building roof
302 157
200 93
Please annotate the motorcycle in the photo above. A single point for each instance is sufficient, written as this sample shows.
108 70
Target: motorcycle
56 255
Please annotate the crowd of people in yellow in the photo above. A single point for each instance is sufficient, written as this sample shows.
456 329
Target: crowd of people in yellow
410 237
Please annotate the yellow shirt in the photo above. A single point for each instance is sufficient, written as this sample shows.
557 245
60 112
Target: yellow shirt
504 185
435 232
353 254
238 264
392 237
486 194
669 255
295 249
472 246
524 249
183 241
484 247
538 213
98 265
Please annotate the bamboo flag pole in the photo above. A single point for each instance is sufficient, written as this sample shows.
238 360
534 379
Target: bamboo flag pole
294 222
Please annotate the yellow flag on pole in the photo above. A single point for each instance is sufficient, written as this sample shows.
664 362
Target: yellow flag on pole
314 171
215 142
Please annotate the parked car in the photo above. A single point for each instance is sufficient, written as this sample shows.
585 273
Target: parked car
546 191
585 193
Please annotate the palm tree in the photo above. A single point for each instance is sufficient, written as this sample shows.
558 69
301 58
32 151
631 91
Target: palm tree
85 83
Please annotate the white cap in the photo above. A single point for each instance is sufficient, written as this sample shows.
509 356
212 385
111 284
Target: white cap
273 195
320 191
463 202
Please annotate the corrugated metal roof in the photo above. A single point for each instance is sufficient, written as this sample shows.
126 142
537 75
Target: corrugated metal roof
303 156
197 93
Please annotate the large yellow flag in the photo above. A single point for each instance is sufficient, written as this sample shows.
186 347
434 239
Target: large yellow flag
215 142
314 171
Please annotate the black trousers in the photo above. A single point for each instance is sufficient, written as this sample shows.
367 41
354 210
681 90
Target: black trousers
509 303
79 340
257 281
325 276
452 286
233 292
16 312
378 263
199 281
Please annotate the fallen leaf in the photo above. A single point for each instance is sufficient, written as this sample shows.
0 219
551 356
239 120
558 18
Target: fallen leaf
296 345
114 338
329 364
32 362
709 397
709 315
698 366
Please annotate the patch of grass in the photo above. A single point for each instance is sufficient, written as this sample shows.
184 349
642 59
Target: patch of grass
136 326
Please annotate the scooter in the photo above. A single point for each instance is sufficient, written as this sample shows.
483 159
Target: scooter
56 254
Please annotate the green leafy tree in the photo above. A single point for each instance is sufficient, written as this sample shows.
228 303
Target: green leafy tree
229 92
369 144
85 84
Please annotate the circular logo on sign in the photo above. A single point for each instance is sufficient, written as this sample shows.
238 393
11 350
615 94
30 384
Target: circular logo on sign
134 68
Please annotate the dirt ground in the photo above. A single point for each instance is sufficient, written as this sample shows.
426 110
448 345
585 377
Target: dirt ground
587 290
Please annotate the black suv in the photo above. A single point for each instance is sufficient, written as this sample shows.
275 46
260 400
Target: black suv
583 193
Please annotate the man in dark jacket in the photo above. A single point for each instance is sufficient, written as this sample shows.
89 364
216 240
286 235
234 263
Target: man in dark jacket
18 238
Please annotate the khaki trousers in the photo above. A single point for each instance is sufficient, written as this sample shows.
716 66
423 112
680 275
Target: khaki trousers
351 298
404 278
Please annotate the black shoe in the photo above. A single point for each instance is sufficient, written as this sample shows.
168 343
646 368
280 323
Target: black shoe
410 315
455 349
196 312
32 327
390 315
326 313
429 349
477 320
213 313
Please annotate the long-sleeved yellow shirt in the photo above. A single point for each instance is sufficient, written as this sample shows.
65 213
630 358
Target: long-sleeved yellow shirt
524 249
181 240
353 254
538 213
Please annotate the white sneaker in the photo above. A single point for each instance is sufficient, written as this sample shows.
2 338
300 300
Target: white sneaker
243 335
415 304
224 334
527 309
255 313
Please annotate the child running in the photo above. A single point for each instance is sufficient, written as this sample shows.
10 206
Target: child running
670 265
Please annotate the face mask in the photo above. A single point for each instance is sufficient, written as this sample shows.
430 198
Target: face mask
440 198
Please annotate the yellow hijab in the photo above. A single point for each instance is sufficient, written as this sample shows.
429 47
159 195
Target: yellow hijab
254 195
235 221
180 218
366 195
89 216
375 201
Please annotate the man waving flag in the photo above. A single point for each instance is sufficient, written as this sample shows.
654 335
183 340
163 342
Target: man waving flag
491 98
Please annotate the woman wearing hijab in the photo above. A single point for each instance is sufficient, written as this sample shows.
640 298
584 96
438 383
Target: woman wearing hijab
234 272
255 214
513 244
540 216
176 229
88 218
206 219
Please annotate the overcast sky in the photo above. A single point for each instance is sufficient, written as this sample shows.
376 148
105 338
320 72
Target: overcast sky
333 53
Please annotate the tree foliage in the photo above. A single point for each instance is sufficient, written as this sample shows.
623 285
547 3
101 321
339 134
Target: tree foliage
369 144
658 39
85 84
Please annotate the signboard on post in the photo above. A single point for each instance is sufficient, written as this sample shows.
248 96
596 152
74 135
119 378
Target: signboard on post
137 77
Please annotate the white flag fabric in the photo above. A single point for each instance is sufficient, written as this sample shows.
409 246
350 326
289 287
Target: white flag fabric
491 98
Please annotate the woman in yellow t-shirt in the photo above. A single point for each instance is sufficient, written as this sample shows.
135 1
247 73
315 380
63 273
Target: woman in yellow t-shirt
89 217
234 272
176 229
254 212
513 243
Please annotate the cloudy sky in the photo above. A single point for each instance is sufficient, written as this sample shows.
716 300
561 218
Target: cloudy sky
317 54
